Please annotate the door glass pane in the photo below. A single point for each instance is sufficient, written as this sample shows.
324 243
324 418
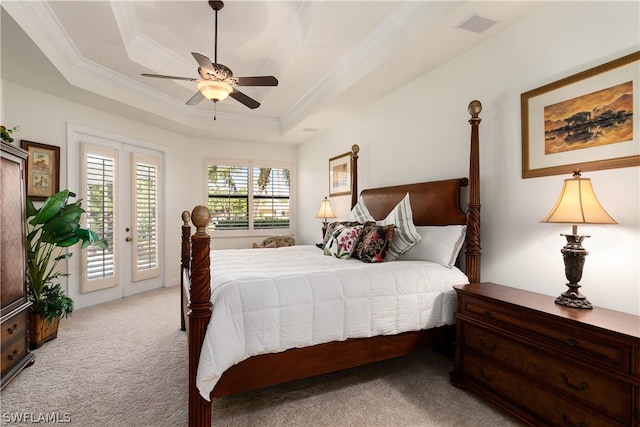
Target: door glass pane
99 173
146 258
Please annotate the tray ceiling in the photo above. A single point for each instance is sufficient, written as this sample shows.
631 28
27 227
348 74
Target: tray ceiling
332 58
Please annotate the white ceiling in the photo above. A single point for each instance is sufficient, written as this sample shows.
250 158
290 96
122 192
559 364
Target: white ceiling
332 58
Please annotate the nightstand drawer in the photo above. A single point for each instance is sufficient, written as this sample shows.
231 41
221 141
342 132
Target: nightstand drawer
551 409
557 334
580 384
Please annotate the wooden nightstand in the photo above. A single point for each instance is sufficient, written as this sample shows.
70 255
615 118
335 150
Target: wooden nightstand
548 364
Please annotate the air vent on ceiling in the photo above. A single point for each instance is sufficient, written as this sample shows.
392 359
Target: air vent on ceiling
477 24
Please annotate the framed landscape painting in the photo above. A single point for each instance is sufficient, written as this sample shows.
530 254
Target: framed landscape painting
43 169
587 121
340 175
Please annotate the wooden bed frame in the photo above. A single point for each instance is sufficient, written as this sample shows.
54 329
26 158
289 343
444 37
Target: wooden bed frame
433 203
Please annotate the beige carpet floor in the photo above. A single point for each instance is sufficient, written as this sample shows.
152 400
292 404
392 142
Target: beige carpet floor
124 364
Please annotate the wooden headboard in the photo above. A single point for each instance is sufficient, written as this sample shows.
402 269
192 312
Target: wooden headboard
432 203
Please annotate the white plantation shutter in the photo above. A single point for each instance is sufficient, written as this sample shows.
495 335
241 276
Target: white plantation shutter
270 198
228 196
248 198
146 262
99 187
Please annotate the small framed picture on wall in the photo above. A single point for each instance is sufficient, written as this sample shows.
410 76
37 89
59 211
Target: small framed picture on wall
43 169
340 175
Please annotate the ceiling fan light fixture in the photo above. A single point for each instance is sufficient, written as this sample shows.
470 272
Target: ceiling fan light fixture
214 90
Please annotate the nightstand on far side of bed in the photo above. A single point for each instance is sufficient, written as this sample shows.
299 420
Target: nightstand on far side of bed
544 363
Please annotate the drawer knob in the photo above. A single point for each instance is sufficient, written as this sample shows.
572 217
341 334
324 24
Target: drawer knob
489 377
582 386
13 355
13 329
569 423
572 342
486 314
486 347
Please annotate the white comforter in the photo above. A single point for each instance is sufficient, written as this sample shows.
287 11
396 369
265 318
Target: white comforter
270 300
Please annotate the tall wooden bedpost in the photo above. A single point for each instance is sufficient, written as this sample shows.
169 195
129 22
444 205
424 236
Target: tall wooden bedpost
184 263
199 311
355 149
472 260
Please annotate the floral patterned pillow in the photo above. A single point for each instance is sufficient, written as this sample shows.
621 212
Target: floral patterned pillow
374 242
342 241
332 228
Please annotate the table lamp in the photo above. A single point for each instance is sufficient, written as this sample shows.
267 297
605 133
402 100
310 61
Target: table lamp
577 204
325 212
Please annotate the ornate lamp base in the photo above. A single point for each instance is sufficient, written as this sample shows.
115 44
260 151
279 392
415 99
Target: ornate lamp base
573 298
574 255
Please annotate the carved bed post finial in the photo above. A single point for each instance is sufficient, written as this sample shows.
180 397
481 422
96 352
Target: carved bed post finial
472 259
355 149
199 309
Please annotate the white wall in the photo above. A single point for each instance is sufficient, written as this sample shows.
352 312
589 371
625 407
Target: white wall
420 133
43 118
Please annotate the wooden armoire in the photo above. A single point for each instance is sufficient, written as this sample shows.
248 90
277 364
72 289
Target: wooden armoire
14 313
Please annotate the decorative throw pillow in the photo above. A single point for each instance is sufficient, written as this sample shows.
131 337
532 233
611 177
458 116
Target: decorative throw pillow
279 241
360 212
405 236
268 245
374 242
342 241
439 243
332 227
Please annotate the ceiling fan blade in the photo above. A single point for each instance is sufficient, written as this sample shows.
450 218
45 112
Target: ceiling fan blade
241 97
159 76
195 99
257 81
203 61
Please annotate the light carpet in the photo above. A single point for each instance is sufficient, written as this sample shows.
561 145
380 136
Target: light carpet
124 363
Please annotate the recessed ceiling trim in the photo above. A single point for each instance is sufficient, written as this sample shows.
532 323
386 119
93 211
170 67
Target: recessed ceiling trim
138 45
334 81
40 23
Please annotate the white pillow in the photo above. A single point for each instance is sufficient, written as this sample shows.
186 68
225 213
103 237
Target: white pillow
360 213
440 243
406 235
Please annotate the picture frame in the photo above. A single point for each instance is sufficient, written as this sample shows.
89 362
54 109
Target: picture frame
340 175
583 122
42 170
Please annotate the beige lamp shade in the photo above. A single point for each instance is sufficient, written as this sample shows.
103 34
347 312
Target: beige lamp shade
214 90
325 210
578 204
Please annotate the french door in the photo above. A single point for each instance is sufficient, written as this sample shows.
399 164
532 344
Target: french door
120 185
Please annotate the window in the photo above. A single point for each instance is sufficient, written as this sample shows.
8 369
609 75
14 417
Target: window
247 197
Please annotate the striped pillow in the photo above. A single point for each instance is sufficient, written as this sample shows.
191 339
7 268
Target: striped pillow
406 235
360 213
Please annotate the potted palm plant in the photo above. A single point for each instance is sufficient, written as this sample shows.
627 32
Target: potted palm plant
50 231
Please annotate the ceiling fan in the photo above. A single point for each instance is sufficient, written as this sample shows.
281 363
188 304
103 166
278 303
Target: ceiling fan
216 80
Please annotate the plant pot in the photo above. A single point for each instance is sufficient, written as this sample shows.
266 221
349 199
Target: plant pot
41 331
